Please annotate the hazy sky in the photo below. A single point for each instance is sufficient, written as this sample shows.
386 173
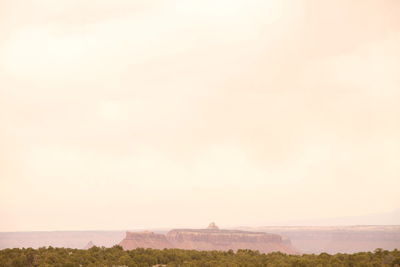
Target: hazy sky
120 114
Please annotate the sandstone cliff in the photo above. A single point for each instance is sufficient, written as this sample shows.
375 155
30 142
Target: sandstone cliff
211 238
145 240
228 239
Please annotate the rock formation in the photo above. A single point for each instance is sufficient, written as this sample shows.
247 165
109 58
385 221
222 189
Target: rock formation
145 239
211 238
212 226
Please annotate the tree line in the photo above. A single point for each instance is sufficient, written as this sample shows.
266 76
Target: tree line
117 257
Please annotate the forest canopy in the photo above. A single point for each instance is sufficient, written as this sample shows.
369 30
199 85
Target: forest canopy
116 256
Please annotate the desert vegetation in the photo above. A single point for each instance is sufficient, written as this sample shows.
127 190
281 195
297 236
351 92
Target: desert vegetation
116 256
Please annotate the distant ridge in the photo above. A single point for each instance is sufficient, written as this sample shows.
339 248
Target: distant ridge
337 239
379 219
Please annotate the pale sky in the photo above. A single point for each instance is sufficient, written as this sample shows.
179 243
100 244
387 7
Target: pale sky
120 114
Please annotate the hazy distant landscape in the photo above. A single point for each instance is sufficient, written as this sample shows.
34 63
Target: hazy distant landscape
338 239
262 246
334 239
342 238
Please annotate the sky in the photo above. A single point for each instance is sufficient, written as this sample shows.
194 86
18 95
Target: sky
120 114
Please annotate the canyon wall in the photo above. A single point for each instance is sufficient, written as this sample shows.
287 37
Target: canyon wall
145 240
208 239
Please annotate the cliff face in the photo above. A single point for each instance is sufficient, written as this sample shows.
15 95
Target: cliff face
209 239
145 240
226 239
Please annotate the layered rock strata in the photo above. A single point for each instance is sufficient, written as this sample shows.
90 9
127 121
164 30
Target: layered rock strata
145 240
211 238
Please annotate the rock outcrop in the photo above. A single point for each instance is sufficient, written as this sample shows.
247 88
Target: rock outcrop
211 238
145 239
212 226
